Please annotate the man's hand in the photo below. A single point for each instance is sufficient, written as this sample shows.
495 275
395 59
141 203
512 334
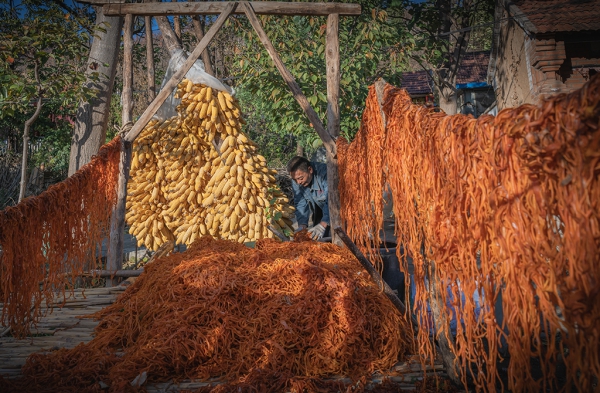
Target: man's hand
317 231
300 227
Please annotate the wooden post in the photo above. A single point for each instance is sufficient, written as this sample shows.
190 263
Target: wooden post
289 79
444 345
178 76
332 63
127 95
114 259
199 31
150 58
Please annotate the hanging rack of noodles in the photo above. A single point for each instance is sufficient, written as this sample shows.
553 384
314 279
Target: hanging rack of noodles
48 240
505 205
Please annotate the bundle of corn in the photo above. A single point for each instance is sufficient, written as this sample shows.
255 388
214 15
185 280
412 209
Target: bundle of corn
198 174
262 319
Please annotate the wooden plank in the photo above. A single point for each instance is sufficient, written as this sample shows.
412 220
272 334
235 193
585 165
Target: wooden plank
217 7
287 76
332 63
178 76
150 59
118 273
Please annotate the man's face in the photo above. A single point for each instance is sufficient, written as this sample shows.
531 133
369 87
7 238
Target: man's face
303 178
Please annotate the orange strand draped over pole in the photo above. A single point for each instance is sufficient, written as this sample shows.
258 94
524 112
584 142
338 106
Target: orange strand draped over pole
505 206
49 239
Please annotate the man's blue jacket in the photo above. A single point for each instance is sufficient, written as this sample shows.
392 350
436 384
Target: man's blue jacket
305 198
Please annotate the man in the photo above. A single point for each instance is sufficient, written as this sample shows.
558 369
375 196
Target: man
310 195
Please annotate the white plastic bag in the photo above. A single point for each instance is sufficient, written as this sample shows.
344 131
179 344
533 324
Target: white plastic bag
196 74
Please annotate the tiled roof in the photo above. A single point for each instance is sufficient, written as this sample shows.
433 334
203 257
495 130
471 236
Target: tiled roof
473 67
547 16
417 83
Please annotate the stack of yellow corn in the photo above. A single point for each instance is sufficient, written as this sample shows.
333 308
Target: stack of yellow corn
198 174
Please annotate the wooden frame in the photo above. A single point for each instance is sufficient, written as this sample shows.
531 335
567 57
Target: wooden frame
118 7
250 9
328 135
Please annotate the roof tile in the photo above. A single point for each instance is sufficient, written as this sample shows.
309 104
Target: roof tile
561 15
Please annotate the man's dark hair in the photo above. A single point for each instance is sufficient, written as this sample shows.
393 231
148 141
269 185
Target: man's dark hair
298 163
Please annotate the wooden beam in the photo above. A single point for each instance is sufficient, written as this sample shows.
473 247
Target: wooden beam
289 79
114 259
117 273
332 64
178 76
217 7
127 94
150 58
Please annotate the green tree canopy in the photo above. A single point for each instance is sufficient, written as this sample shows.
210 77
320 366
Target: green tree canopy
372 45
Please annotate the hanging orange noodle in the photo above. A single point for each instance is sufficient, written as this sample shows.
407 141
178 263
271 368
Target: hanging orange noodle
499 205
281 316
47 240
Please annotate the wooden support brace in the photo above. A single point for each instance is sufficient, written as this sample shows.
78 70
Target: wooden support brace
374 274
178 76
444 344
328 141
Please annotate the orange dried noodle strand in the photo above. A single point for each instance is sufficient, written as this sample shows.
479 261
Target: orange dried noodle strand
248 316
507 203
52 237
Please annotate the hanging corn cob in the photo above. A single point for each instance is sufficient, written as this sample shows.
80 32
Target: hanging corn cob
198 174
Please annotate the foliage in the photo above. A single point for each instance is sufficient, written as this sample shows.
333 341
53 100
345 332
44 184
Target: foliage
50 39
441 28
371 46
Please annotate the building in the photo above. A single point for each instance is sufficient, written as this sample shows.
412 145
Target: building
543 47
474 94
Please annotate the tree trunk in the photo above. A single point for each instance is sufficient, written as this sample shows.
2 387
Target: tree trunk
177 24
93 115
169 37
447 98
299 149
26 129
199 31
